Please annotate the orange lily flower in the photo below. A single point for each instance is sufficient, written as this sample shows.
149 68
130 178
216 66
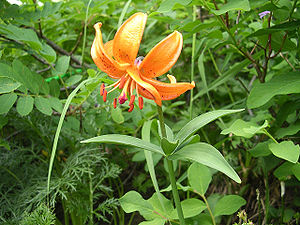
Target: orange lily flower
118 58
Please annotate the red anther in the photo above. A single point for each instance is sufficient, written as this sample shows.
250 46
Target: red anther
102 88
115 103
132 99
122 82
104 95
131 108
141 102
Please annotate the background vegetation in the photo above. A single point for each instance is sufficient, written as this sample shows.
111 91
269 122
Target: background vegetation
237 58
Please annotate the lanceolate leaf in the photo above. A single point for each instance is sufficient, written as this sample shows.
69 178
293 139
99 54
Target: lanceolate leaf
146 136
207 155
235 69
125 140
195 124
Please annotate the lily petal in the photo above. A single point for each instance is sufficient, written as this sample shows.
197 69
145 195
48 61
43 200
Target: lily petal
162 57
108 47
103 61
144 86
169 91
128 38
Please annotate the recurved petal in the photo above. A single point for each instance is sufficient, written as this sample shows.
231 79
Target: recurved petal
128 38
162 57
144 86
169 91
108 47
102 59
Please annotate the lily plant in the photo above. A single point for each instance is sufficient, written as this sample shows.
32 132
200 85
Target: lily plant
136 76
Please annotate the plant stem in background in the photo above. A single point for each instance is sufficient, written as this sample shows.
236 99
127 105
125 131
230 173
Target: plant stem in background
171 169
208 208
91 198
84 30
193 63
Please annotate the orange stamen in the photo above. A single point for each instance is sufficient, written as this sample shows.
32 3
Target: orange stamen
102 88
131 108
122 82
115 103
104 95
141 102
132 97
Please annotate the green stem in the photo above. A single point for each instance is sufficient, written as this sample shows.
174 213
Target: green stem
269 135
193 63
209 210
161 122
175 192
91 198
66 214
84 30
171 169
267 202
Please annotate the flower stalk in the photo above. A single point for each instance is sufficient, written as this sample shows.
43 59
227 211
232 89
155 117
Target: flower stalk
171 169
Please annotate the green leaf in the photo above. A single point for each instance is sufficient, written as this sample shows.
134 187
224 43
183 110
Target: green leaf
261 149
207 155
133 201
25 105
73 80
244 129
287 26
54 88
195 124
284 171
190 207
168 146
31 80
228 205
164 209
146 132
48 53
61 65
21 34
199 177
117 116
288 215
234 70
43 105
233 5
58 130
156 221
168 5
296 170
6 102
56 104
8 85
286 150
3 121
290 130
283 84
125 140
